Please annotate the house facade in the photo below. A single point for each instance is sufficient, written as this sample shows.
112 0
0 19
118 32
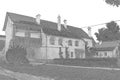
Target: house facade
109 49
45 39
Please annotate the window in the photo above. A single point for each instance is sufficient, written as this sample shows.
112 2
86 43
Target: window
101 54
76 43
70 42
35 35
27 34
96 54
105 54
52 40
71 54
21 34
60 41
117 53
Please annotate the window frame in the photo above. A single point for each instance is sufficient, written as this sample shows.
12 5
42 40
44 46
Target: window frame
69 42
76 43
71 55
34 35
52 40
60 41
106 54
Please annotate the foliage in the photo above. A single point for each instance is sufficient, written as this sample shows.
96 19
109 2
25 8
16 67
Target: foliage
88 62
112 26
113 2
110 33
16 55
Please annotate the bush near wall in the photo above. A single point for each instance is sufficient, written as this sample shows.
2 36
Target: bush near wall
91 62
16 55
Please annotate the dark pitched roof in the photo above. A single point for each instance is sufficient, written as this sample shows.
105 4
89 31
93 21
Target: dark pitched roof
2 36
108 44
48 26
104 49
60 33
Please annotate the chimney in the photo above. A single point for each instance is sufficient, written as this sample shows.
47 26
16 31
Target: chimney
38 18
65 23
89 31
59 22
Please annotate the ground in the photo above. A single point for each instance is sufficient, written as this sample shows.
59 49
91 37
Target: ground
2 77
65 73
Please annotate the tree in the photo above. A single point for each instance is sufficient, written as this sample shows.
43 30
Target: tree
113 2
112 26
110 33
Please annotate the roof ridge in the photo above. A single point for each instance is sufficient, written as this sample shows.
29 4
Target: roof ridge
48 24
19 14
41 19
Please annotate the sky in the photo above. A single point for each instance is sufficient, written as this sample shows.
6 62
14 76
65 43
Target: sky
78 13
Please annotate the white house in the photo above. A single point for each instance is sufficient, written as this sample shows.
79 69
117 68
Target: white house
45 39
108 49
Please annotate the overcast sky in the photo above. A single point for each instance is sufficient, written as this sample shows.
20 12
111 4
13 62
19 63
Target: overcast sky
79 13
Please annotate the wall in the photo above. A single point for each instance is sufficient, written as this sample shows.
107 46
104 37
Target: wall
41 53
2 45
53 50
33 53
110 54
48 51
33 34
89 41
8 33
20 33
115 53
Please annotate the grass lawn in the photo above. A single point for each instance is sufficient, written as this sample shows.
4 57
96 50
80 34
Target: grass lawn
64 73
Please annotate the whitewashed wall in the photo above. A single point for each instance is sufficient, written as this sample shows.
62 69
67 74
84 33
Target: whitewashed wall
115 54
47 51
53 50
89 41
20 33
110 54
8 33
41 53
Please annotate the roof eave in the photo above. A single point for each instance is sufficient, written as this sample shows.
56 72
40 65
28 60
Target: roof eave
104 50
5 23
6 19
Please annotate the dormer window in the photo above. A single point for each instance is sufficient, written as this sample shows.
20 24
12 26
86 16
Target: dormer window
70 42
